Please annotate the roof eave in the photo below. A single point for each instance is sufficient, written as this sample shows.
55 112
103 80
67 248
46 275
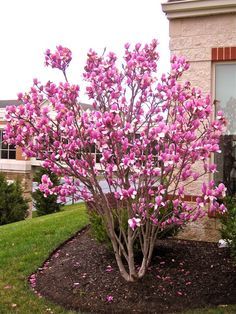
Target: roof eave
192 8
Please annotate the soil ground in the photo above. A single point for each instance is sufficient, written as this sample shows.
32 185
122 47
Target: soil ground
184 275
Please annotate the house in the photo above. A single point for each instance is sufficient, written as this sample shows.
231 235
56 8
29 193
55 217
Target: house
204 31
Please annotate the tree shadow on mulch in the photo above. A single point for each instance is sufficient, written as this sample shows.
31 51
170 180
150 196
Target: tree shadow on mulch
184 275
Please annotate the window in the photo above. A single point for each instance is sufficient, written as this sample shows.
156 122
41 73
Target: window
97 154
225 95
6 151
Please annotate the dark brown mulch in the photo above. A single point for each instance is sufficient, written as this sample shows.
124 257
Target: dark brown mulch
184 275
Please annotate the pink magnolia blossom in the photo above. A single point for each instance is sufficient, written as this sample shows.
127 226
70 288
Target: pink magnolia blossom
134 223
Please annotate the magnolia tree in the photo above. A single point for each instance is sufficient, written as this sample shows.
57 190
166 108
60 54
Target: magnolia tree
150 133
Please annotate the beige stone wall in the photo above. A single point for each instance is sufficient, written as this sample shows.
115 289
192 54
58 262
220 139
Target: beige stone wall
194 38
206 229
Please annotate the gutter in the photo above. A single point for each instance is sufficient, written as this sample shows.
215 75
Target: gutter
192 8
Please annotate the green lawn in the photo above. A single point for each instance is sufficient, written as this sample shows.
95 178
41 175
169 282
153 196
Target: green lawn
224 309
23 247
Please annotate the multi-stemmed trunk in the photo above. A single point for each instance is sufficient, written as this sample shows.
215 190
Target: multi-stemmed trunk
125 254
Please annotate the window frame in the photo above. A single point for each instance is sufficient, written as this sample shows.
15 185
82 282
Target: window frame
214 100
7 150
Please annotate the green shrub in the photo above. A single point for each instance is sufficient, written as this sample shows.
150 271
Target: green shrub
98 227
228 221
49 204
13 206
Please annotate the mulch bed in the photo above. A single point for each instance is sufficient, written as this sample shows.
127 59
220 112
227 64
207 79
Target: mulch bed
184 275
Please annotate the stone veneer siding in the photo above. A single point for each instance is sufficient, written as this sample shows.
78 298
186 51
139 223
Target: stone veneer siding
203 40
195 37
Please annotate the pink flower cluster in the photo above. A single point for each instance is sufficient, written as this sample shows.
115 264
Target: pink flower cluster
60 59
46 185
134 223
150 135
